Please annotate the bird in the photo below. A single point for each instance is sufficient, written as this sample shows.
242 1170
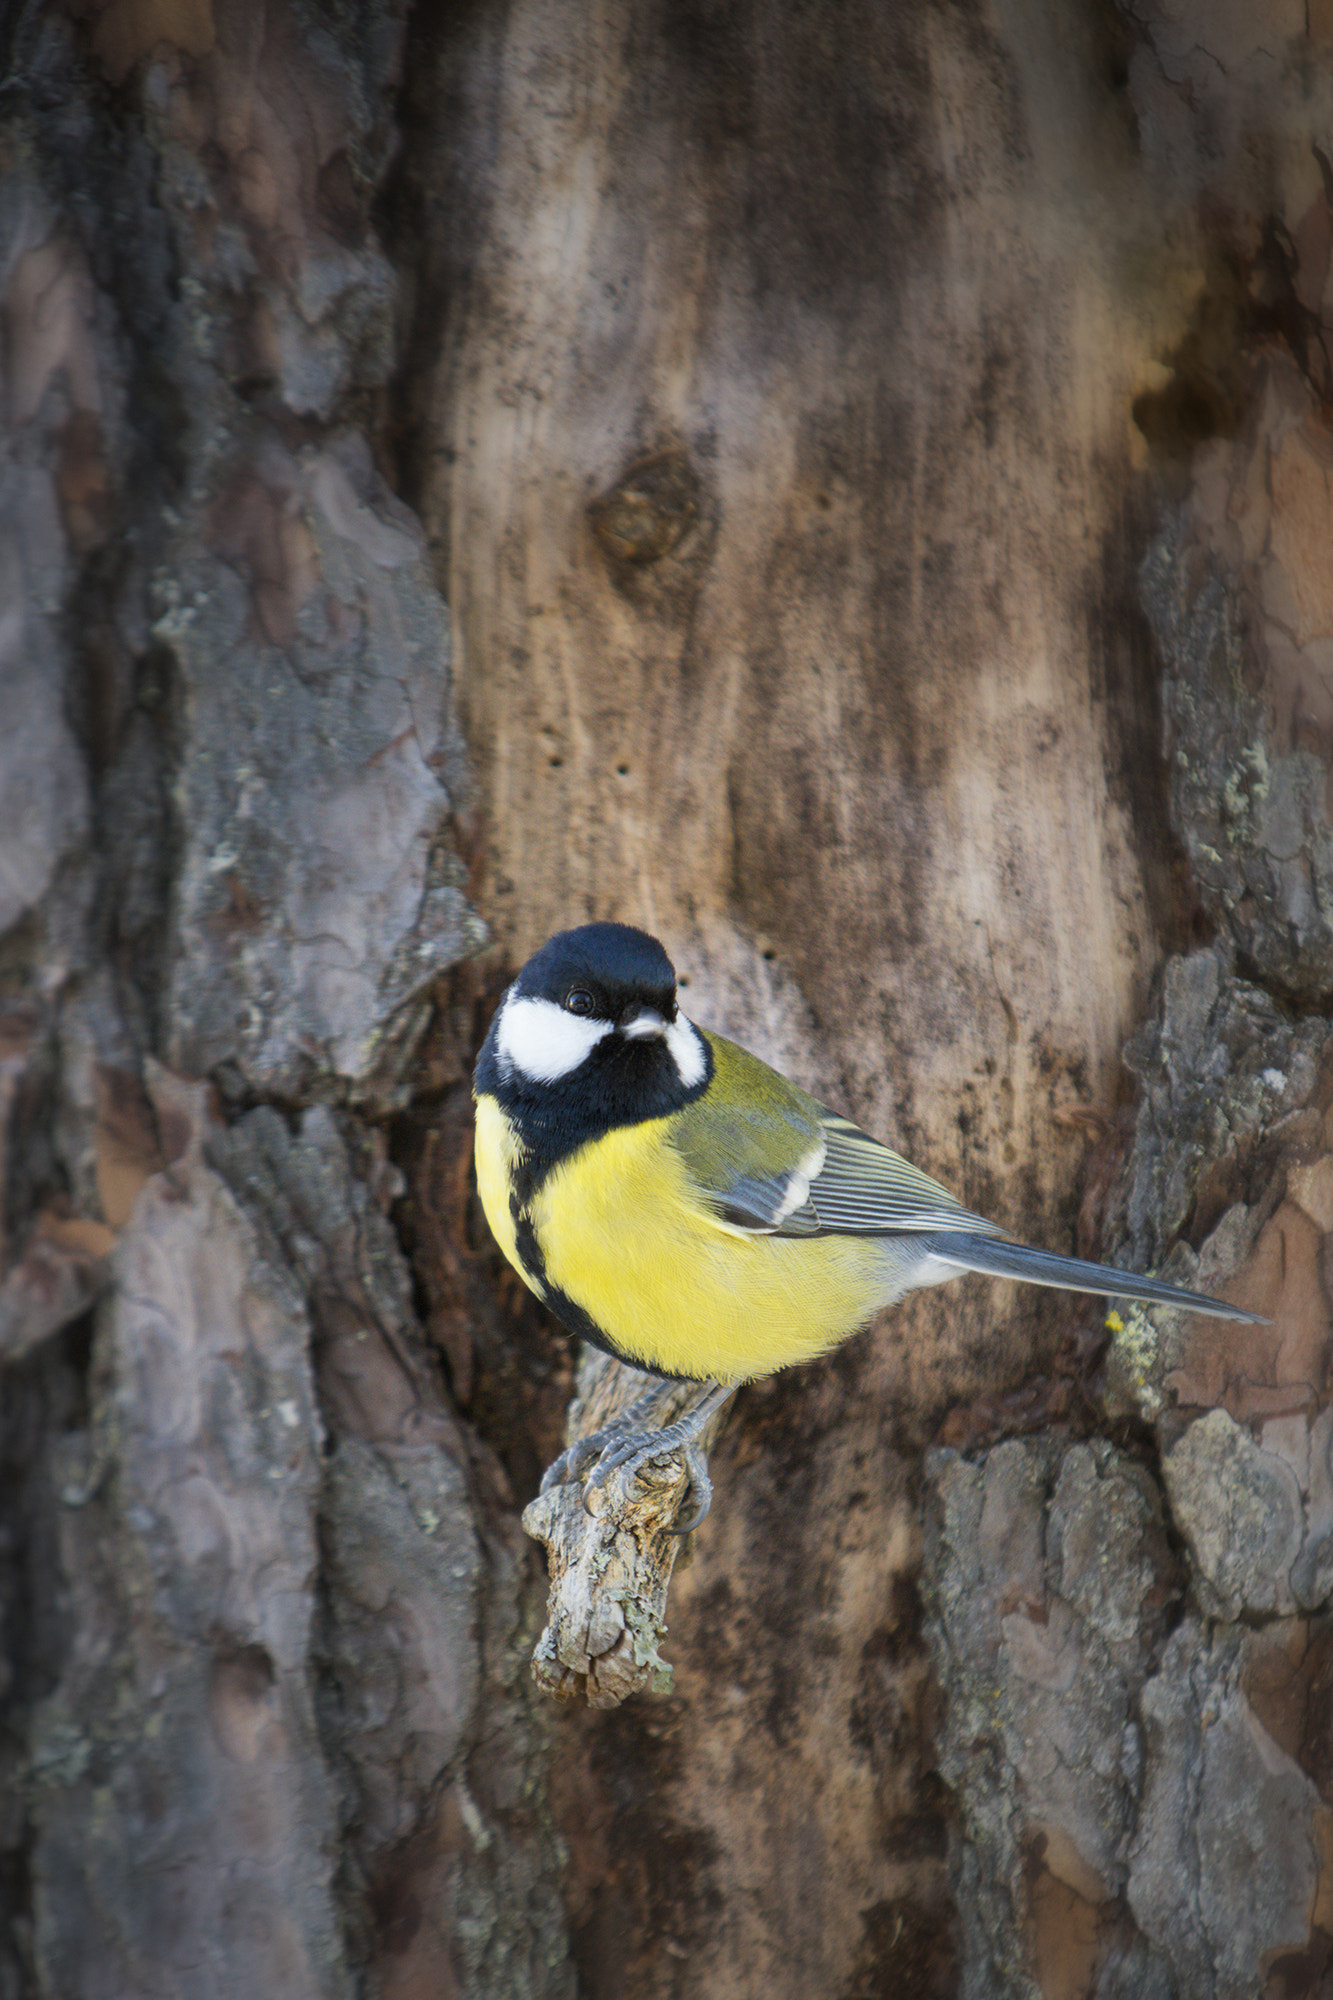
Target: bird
686 1208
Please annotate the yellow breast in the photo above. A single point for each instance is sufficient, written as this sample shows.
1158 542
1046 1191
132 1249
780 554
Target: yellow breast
674 1289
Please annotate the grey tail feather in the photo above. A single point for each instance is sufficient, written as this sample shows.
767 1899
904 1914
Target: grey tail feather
1000 1259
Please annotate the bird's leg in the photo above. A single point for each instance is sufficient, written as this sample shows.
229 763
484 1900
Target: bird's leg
637 1443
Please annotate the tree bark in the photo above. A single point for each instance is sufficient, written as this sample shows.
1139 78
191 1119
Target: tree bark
268 1723
875 462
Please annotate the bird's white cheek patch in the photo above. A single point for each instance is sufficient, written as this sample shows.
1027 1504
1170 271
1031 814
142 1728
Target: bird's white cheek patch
543 1042
687 1051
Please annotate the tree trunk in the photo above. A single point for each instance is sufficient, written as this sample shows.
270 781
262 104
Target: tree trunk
875 461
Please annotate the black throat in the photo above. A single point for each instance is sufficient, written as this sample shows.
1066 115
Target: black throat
623 1081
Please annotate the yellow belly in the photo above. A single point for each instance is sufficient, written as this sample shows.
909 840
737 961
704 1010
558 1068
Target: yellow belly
668 1286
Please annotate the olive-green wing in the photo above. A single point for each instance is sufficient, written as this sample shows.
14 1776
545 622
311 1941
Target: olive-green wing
771 1158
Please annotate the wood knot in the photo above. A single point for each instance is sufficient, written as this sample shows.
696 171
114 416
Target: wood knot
650 509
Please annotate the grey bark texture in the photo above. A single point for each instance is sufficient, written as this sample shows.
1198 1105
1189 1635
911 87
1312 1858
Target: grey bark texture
268 1723
849 489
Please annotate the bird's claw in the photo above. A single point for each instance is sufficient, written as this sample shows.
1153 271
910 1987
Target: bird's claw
574 1460
630 1424
629 1456
627 1443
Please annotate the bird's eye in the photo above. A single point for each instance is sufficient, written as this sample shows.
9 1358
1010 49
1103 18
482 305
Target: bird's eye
580 1001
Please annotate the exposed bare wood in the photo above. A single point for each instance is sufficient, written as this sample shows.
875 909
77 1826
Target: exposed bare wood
610 1556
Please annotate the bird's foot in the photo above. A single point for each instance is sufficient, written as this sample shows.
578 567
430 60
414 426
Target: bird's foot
629 1442
634 1420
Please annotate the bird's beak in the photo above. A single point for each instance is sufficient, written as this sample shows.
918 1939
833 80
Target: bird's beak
637 1027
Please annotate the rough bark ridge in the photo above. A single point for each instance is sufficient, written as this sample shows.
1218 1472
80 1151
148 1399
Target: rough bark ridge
1162 1715
267 1721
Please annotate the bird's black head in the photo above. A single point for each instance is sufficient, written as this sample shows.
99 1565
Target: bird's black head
620 970
589 1036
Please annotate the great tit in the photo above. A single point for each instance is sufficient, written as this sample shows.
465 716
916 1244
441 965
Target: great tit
683 1206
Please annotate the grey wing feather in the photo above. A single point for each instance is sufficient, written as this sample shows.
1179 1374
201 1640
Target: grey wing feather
756 1204
866 1189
